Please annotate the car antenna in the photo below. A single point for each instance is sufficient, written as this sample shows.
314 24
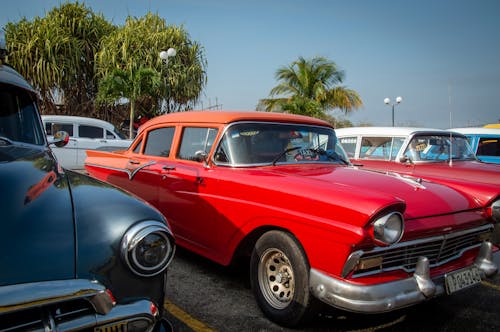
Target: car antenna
450 157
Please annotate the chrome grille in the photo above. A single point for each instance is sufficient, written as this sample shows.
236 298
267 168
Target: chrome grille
46 317
438 249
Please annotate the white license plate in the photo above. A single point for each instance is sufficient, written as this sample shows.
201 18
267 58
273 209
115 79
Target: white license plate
461 279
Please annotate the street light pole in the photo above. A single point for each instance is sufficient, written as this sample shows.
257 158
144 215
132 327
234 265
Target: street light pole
164 55
387 101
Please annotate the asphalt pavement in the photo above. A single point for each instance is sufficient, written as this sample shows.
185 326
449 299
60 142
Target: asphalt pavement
204 296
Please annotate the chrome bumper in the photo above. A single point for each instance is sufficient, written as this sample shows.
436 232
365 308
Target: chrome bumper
47 301
392 295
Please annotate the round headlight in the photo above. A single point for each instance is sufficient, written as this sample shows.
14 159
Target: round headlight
495 210
389 228
147 248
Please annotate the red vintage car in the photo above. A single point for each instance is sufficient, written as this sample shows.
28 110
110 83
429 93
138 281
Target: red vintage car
278 189
435 154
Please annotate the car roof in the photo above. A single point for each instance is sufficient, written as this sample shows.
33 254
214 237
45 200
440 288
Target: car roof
222 117
478 130
78 120
387 131
9 76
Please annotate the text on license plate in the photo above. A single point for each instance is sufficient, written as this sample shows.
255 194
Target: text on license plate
461 279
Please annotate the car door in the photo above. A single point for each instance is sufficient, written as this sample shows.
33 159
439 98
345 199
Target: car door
143 171
185 188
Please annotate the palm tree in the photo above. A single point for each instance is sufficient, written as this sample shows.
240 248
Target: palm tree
139 42
57 54
130 85
311 87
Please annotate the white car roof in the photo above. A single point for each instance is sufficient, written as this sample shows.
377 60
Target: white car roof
78 120
385 131
478 130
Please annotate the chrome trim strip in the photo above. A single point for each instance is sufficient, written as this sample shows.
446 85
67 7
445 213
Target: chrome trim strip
130 173
23 296
134 172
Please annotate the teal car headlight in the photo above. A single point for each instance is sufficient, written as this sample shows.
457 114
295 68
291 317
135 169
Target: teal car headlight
389 228
148 248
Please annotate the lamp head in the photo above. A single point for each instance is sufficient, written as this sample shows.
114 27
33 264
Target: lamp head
171 52
399 99
387 101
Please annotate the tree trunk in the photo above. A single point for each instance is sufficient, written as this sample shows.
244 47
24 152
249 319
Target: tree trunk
132 111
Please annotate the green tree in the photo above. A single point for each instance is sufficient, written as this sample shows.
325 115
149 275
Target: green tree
137 44
57 54
132 85
311 87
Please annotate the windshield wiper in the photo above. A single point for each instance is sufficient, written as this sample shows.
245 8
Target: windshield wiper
5 141
284 152
332 156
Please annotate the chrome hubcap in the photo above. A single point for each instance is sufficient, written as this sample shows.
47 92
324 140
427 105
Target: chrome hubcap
276 279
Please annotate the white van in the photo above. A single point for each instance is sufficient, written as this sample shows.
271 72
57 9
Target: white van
84 134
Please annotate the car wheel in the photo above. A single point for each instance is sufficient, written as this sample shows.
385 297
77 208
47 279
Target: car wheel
279 274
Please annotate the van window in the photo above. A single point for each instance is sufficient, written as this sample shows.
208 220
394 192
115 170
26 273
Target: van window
488 146
53 127
110 135
90 131
349 145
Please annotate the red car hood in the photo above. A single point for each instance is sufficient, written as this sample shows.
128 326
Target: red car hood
423 199
474 171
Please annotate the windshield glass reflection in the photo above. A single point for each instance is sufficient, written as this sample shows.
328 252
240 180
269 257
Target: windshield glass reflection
246 144
435 148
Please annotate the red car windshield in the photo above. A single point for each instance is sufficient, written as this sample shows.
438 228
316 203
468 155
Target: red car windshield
257 143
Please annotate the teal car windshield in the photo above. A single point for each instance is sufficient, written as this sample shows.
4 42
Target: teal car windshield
439 148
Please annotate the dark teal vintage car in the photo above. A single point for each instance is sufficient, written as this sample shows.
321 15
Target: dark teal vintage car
76 253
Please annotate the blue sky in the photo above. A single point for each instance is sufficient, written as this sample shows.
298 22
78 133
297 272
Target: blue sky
441 56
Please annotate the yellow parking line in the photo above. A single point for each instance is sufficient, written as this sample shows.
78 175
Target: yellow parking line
187 319
489 284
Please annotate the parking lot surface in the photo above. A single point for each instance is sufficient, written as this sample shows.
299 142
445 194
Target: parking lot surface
204 296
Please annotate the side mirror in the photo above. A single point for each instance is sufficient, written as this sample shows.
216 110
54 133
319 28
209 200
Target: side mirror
200 155
61 138
405 160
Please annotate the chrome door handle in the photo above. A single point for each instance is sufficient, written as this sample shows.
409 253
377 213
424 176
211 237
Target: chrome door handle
134 162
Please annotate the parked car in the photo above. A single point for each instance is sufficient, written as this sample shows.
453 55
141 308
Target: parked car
434 154
278 189
77 253
84 134
485 142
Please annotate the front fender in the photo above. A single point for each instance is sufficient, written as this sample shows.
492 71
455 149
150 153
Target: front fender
103 213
